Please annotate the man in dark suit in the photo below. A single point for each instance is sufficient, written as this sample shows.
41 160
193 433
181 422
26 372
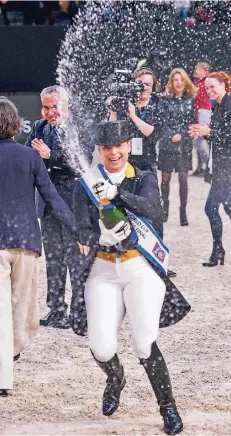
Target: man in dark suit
21 171
59 244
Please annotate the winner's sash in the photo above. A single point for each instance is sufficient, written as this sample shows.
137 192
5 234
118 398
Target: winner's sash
149 243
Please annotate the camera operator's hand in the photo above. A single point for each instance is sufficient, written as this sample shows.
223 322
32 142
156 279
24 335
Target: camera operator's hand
131 110
113 115
144 127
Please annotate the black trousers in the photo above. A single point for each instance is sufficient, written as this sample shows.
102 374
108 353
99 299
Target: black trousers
220 193
61 251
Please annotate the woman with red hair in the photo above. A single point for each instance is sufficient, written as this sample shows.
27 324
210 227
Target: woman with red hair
218 87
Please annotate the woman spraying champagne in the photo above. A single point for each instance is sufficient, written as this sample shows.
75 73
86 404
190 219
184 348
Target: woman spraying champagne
132 281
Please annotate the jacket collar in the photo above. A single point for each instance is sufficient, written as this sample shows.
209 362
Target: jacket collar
7 140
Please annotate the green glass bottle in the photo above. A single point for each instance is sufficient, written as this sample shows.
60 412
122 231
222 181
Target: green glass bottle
111 215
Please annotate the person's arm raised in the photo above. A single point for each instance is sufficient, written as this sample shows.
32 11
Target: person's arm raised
145 128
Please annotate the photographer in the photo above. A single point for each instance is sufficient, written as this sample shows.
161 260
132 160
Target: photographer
143 113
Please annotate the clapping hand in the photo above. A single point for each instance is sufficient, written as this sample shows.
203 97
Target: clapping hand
41 147
197 130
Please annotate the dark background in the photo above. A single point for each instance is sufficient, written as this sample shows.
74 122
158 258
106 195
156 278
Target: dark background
28 57
29 54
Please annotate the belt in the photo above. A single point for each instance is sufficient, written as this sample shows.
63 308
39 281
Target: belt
123 256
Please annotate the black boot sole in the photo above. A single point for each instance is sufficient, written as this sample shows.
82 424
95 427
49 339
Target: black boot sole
16 357
4 393
174 432
47 322
211 265
55 322
56 326
171 273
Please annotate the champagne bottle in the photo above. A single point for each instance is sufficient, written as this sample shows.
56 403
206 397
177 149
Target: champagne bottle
111 215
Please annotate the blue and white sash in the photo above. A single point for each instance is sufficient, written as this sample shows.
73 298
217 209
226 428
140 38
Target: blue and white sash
149 243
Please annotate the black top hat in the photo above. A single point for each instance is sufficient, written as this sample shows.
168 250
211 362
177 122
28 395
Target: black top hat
113 133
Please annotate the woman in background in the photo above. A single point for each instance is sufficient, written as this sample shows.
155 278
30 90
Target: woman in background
175 146
218 87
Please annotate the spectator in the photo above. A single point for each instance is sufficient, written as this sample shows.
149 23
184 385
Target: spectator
202 11
182 7
176 113
202 107
218 86
60 248
34 13
12 12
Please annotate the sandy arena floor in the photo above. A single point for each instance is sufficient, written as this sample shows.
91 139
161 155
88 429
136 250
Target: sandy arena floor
58 387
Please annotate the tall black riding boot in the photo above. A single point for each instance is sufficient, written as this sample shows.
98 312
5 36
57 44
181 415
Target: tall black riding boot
115 384
165 195
158 375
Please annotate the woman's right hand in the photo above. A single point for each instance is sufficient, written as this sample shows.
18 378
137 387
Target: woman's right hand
84 249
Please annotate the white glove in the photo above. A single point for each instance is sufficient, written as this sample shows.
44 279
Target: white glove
106 190
115 235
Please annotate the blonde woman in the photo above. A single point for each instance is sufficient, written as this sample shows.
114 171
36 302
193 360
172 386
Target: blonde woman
175 147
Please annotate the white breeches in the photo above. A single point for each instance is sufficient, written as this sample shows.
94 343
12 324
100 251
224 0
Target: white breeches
113 288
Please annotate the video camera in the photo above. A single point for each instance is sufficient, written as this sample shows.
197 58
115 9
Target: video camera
123 89
122 85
